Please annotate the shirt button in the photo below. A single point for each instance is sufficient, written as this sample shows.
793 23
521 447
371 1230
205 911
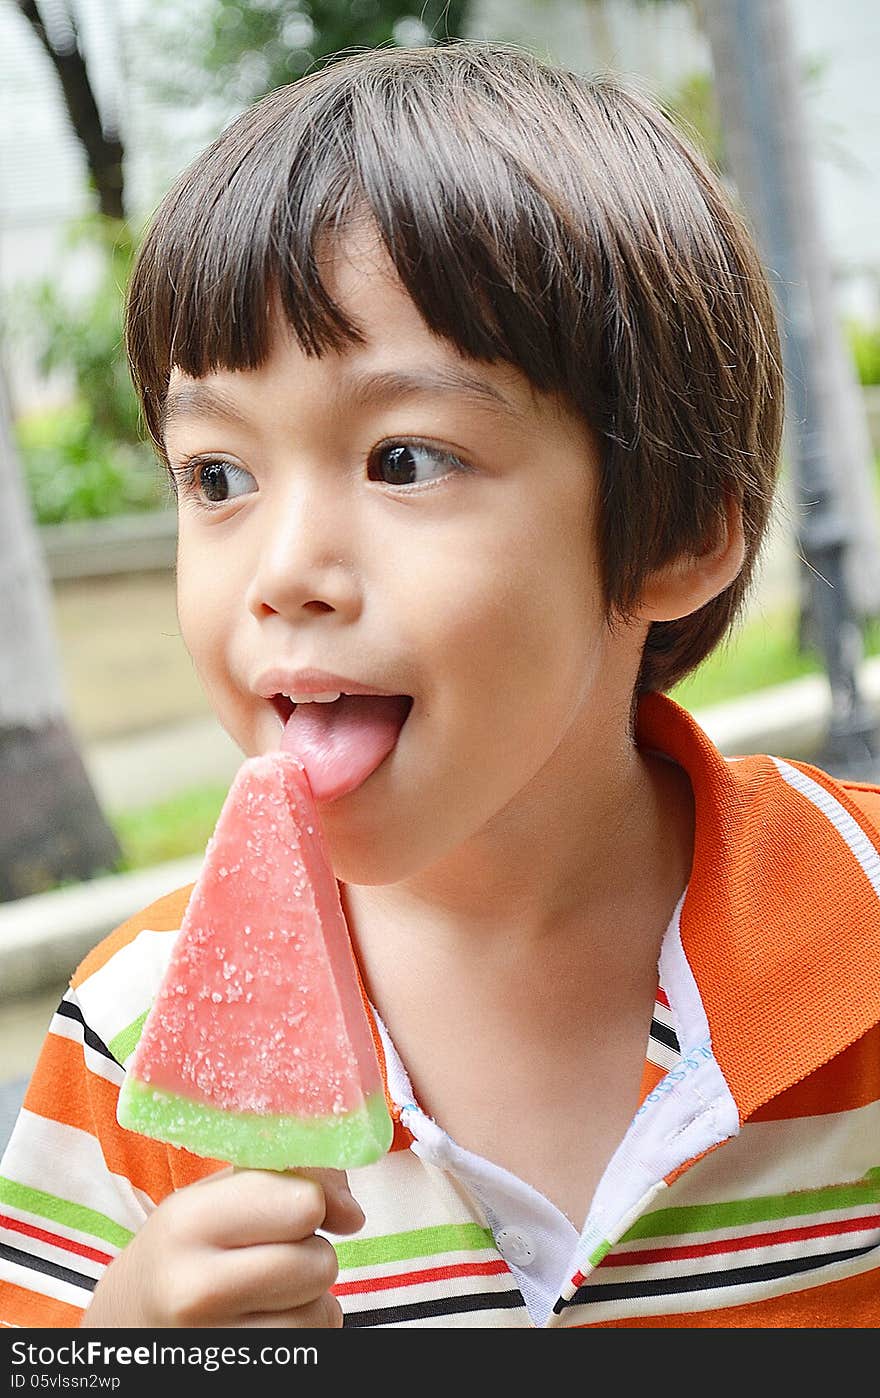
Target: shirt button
515 1246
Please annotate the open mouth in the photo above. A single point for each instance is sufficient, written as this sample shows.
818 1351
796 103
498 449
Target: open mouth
341 704
341 739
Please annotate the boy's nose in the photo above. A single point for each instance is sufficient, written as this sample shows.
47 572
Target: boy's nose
304 562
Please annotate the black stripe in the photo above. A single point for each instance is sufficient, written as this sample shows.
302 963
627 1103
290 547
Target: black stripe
72 1011
709 1281
420 1310
665 1035
51 1269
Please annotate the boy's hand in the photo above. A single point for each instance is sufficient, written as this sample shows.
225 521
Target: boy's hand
237 1249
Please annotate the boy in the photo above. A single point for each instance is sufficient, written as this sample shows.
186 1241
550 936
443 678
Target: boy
467 378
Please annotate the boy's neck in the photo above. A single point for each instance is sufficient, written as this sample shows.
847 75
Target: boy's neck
519 995
617 840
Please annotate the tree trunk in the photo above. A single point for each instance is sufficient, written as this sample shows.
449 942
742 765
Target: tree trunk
51 827
765 136
104 150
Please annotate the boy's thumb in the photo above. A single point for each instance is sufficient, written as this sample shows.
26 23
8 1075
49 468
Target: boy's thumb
344 1214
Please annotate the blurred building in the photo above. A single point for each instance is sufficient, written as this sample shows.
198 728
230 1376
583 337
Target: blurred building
42 170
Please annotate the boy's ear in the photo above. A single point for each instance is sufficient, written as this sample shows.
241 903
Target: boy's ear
691 580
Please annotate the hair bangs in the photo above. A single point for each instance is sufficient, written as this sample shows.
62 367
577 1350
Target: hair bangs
479 246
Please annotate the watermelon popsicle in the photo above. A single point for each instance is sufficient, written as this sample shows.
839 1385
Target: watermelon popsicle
257 1049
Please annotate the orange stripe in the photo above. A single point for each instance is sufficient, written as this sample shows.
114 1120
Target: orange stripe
30 1310
63 1089
165 915
853 1303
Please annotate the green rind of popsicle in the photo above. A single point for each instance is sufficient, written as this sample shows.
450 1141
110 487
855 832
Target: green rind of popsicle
258 1142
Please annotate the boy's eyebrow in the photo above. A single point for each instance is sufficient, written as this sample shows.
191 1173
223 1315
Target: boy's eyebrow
391 385
198 400
388 385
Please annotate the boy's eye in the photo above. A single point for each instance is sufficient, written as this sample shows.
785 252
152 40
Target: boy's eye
214 481
409 463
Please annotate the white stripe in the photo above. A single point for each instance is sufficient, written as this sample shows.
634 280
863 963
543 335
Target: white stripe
761 1254
115 995
54 1252
64 1027
506 1318
32 1280
661 1055
717 1298
780 1157
445 1288
69 1163
848 829
420 1262
663 1014
401 1192
868 1212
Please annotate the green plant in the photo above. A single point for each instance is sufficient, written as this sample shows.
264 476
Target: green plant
83 334
88 458
245 50
73 470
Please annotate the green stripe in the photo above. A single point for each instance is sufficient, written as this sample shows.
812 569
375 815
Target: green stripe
417 1242
125 1042
595 1257
64 1211
765 1209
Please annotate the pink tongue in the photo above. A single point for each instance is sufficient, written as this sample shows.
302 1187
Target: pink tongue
340 744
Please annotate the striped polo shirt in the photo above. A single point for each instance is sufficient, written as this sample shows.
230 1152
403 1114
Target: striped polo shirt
745 1192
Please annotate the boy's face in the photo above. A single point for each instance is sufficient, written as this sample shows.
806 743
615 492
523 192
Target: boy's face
369 515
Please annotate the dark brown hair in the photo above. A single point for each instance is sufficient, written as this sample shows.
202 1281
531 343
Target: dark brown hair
555 222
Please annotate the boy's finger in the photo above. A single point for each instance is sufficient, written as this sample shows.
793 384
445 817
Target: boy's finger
268 1206
250 1207
265 1277
343 1214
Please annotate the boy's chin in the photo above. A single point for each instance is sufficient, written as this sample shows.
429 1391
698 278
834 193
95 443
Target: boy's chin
373 857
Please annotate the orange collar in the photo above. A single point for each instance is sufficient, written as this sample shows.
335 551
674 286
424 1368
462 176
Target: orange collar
781 919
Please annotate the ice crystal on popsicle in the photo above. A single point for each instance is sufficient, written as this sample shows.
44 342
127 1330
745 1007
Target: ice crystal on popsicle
257 1049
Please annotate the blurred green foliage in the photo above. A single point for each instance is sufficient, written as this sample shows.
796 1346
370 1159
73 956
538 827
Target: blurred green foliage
74 470
245 49
83 334
864 343
173 828
88 457
693 107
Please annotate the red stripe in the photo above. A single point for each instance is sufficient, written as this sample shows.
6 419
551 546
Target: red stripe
755 1240
661 997
54 1239
460 1269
